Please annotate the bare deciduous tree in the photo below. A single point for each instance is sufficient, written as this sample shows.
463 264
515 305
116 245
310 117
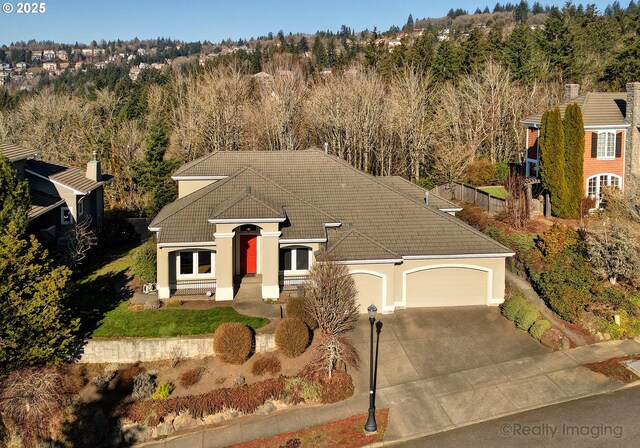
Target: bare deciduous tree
331 300
81 239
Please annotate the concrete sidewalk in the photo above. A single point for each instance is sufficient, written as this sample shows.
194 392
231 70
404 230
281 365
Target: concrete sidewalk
449 401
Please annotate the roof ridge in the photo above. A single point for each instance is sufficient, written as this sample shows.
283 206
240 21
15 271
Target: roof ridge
195 162
247 193
417 186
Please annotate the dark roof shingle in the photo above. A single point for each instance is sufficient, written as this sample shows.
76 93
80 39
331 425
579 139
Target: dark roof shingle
15 152
598 109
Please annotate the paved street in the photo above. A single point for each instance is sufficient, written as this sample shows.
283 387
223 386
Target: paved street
609 420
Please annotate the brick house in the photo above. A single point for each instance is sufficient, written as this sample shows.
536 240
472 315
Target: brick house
612 137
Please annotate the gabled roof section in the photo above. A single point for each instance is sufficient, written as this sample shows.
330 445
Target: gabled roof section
41 203
15 152
246 206
417 193
348 244
598 109
70 177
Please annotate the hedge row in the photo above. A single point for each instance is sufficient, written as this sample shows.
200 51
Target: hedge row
525 315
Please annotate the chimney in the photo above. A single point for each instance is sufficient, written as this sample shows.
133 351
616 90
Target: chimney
632 144
571 91
93 168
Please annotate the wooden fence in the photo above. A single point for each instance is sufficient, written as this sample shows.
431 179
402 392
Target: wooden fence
471 195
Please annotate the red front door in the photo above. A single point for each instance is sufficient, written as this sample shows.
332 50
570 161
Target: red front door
248 254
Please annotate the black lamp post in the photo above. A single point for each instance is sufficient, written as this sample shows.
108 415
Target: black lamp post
371 425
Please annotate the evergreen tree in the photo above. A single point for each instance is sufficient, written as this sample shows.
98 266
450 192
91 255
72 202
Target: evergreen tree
552 171
486 10
521 11
409 26
14 197
558 44
522 55
319 52
474 51
537 8
446 63
303 45
574 157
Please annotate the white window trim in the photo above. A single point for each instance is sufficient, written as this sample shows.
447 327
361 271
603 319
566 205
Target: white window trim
62 221
294 255
195 274
606 157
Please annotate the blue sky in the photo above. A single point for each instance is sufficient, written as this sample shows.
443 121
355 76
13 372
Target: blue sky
83 21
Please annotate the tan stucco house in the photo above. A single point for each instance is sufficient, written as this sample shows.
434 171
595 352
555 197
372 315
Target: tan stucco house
270 214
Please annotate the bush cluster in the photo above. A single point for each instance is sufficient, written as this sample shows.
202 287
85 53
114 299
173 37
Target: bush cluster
298 308
246 399
144 384
190 377
539 327
144 263
233 342
298 390
268 363
292 336
338 388
482 172
512 306
526 316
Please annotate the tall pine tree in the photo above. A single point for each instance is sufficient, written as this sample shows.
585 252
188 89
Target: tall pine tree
552 158
574 157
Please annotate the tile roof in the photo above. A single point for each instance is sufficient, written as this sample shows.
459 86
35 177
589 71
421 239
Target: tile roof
16 152
313 189
42 203
71 177
598 109
417 193
247 205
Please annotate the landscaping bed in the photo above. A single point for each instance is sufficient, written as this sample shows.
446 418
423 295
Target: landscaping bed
346 433
616 368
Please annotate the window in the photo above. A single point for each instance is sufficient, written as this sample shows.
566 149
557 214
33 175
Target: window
195 263
66 217
186 263
204 262
295 259
595 184
81 207
606 145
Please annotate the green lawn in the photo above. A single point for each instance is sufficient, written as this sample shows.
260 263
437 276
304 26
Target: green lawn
100 300
498 192
121 322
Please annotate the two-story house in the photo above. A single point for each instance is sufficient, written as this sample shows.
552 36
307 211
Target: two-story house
61 196
612 138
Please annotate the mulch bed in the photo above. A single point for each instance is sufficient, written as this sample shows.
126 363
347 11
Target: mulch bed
616 369
347 433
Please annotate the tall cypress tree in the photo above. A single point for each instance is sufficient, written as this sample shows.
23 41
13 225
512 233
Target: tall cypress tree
574 157
552 170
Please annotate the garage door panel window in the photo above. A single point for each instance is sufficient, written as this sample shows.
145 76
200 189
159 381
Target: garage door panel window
192 264
295 259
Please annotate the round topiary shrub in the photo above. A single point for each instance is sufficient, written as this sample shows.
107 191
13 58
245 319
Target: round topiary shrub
296 308
144 263
512 306
292 336
233 342
539 327
526 316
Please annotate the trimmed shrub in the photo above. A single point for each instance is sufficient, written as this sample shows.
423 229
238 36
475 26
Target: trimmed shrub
268 363
526 317
512 306
297 308
539 327
233 342
292 336
152 304
162 391
298 389
190 377
172 303
502 172
144 263
480 172
338 388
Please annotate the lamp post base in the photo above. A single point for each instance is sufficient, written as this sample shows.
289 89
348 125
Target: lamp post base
371 427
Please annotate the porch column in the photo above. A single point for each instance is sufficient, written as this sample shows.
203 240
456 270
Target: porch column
224 265
162 275
270 262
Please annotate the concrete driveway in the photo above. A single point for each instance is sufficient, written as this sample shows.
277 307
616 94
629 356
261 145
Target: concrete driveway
425 343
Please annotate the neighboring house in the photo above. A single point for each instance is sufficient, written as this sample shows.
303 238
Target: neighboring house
612 138
272 214
61 196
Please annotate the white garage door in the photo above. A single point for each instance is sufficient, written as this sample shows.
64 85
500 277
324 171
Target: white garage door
447 286
370 290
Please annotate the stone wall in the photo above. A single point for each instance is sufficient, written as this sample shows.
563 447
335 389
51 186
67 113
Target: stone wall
129 350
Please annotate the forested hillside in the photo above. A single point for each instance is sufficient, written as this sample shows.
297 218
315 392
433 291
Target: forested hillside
450 91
